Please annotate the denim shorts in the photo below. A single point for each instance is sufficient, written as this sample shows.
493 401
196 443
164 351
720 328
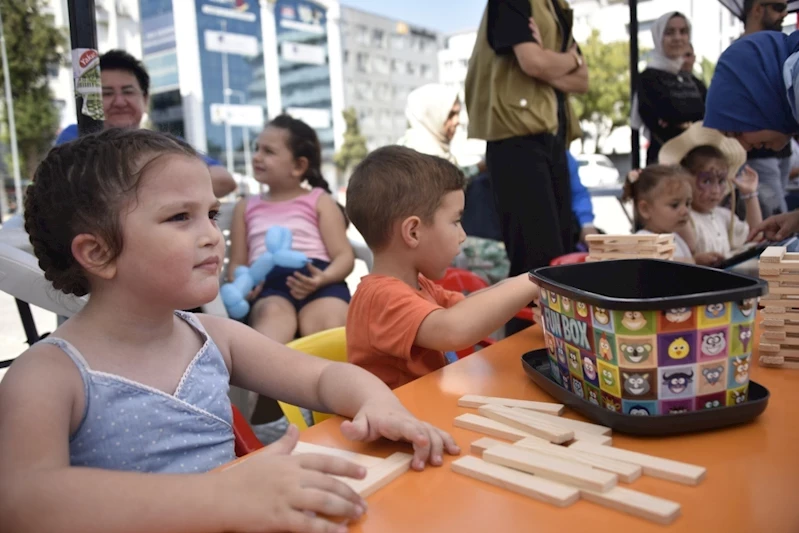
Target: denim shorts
275 285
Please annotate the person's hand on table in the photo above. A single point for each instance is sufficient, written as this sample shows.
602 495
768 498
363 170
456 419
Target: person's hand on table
277 491
777 227
391 420
708 258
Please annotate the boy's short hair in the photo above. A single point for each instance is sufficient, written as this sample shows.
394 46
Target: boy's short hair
393 183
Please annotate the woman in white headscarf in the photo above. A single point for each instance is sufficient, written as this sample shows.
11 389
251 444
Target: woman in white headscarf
433 113
668 100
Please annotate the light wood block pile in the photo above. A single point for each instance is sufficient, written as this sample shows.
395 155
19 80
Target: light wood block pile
779 340
560 461
658 246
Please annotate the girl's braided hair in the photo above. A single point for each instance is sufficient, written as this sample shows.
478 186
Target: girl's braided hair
83 187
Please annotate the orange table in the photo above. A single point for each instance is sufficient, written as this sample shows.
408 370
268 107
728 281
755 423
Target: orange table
752 482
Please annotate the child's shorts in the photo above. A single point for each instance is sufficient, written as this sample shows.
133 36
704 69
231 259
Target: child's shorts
275 285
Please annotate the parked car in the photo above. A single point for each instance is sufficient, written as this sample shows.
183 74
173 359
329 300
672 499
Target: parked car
596 170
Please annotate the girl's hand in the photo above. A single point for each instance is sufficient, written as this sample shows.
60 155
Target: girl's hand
747 180
300 285
708 258
256 292
392 421
277 491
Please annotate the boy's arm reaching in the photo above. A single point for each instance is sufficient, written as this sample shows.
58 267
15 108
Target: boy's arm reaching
476 317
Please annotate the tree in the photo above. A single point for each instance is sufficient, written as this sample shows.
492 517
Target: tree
607 103
33 44
353 150
708 68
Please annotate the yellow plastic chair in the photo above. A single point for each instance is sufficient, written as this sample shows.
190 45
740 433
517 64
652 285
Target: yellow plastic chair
330 344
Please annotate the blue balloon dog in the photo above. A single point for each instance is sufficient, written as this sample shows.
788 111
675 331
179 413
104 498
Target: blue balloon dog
278 253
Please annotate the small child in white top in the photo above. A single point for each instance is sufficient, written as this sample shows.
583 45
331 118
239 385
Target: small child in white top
716 233
661 197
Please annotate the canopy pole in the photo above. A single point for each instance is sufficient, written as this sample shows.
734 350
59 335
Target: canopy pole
636 140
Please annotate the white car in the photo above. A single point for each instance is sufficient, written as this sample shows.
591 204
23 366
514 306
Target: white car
596 170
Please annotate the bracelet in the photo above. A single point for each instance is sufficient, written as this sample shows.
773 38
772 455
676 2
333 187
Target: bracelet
749 196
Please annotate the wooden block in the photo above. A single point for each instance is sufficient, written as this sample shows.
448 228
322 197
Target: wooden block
771 270
659 467
541 464
787 290
366 461
481 445
602 440
789 266
777 362
773 275
773 254
535 487
627 472
641 237
774 310
544 430
381 475
471 400
486 426
586 427
635 503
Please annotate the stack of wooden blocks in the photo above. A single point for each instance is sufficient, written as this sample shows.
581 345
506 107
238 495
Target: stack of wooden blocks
779 341
656 246
559 460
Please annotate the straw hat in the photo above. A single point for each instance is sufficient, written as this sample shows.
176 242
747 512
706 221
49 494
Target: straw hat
696 135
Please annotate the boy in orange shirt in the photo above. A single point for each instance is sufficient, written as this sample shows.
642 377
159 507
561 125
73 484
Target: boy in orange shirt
408 208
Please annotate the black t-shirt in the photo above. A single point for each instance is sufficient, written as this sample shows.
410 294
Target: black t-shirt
508 24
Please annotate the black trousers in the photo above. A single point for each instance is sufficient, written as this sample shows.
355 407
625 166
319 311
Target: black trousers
532 191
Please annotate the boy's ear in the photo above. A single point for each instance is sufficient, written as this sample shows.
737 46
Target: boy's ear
409 229
300 166
93 255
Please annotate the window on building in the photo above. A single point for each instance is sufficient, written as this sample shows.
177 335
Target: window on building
398 42
378 38
380 65
362 34
362 62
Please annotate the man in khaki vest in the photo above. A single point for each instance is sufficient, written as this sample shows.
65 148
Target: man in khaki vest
523 67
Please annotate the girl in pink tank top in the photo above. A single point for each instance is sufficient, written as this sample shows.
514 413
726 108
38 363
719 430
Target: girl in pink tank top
315 298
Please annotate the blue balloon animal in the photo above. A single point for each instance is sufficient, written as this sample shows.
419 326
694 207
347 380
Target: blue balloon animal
278 253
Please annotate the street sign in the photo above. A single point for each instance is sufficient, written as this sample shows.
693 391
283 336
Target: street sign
238 115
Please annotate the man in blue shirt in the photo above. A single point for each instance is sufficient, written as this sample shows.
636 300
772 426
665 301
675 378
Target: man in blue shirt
582 207
126 87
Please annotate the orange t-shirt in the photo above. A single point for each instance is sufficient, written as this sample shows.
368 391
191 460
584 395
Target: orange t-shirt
383 319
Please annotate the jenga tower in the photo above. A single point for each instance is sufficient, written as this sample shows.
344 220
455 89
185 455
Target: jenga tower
779 342
602 247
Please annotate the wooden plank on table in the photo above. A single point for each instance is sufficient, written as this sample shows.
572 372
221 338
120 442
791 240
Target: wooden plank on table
486 426
474 401
627 472
535 487
579 425
366 461
541 464
659 467
381 475
545 430
480 445
641 237
635 503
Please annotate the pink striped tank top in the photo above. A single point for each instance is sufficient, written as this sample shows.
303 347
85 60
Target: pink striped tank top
299 215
